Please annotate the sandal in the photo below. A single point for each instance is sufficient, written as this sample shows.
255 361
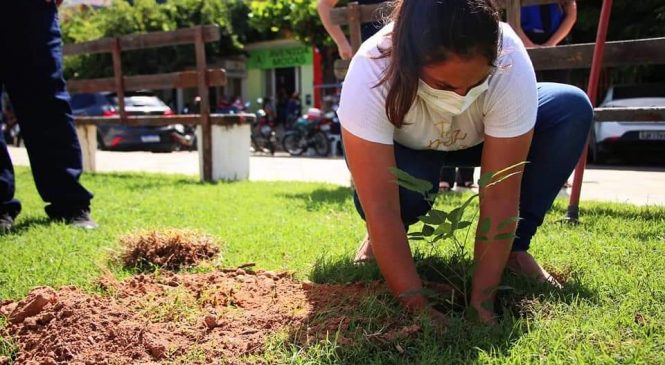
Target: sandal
444 187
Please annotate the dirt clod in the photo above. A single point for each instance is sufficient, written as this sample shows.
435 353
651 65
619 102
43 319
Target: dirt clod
172 249
33 304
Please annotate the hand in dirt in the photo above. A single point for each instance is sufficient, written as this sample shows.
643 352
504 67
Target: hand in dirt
521 262
439 320
483 315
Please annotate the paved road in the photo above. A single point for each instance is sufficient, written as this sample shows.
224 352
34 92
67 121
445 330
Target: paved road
626 184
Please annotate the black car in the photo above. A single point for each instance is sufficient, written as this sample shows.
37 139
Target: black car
172 137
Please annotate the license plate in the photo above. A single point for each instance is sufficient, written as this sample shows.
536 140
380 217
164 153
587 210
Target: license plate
149 139
652 135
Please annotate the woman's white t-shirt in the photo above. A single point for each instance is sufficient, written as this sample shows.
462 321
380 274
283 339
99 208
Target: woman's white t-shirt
507 109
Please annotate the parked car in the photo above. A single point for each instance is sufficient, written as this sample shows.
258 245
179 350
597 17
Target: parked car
172 137
619 137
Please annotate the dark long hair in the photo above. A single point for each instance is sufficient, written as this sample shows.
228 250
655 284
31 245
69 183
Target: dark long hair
430 31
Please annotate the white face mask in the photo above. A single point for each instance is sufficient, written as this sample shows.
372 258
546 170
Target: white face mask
449 101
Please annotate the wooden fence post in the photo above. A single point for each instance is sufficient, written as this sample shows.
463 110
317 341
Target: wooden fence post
206 130
514 13
353 15
119 78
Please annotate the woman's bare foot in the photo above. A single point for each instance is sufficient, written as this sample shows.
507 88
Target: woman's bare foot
364 252
521 262
444 187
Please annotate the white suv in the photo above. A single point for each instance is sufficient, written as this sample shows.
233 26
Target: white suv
618 136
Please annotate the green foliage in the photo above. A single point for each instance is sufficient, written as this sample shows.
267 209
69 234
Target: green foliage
284 18
143 16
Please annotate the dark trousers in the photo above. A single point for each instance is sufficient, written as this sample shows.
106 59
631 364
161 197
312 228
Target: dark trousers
561 131
32 74
461 176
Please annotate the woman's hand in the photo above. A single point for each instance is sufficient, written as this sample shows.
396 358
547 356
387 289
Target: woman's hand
498 203
370 164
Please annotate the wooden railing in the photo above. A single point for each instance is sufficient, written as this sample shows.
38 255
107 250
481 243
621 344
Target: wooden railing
202 78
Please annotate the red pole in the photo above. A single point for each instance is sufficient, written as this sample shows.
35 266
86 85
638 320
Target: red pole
592 92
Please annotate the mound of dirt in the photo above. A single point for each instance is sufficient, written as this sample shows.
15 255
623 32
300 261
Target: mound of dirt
182 318
171 249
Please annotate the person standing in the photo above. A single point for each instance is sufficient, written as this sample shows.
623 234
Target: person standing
548 25
335 31
31 71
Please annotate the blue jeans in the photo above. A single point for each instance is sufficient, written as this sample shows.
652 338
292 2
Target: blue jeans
31 72
562 127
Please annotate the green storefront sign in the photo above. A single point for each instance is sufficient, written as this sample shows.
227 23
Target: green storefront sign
279 57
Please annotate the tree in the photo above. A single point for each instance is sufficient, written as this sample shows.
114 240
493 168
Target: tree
142 16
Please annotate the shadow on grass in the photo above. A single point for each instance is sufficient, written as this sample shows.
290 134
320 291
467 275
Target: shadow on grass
367 325
24 224
320 197
142 181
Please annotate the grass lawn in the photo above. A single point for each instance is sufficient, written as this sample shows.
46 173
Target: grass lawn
612 309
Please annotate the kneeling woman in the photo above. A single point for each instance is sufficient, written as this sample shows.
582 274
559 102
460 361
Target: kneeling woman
445 83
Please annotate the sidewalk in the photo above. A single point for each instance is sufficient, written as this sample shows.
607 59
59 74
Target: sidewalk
635 185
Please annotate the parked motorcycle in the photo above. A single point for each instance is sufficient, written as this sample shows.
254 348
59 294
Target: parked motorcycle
263 134
308 132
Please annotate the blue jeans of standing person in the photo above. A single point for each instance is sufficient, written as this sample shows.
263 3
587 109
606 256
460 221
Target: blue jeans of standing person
561 131
32 74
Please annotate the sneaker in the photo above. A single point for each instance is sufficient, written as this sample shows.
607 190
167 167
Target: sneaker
6 223
82 220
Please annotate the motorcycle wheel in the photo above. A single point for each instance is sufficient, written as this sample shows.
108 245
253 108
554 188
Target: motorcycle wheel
321 143
291 144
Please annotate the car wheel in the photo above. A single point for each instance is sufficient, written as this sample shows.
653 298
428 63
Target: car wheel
100 142
596 152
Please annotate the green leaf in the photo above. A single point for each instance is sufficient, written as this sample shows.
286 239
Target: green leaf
485 179
445 228
434 217
428 230
506 222
488 305
485 225
437 238
410 182
417 238
438 214
463 224
455 215
505 236
415 234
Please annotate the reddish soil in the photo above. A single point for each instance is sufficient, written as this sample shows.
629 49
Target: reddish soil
223 316
172 249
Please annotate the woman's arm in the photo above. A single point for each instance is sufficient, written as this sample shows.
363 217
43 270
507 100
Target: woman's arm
525 39
497 203
370 164
335 31
570 17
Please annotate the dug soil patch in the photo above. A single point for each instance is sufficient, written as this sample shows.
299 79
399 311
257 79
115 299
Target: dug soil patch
172 249
225 316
